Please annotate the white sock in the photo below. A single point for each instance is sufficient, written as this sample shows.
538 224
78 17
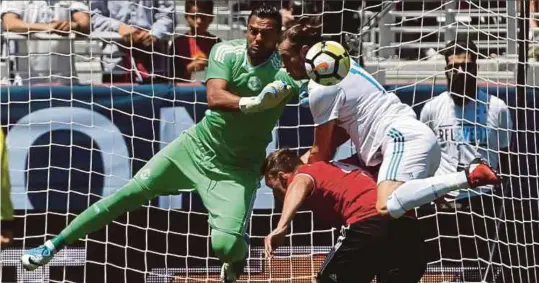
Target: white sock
50 245
418 192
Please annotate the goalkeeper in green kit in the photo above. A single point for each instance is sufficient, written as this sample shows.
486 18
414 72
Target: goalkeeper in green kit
220 157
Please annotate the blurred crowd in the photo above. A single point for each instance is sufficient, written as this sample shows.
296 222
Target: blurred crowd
145 48
144 41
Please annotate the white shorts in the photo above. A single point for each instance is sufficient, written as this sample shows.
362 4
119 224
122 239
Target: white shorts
410 151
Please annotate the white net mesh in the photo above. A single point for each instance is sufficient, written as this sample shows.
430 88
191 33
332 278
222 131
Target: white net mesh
69 144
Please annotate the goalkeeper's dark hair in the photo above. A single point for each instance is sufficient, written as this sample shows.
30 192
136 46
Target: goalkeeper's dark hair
267 11
284 160
306 32
459 46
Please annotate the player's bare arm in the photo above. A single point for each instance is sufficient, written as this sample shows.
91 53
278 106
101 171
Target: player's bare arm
219 98
340 136
300 188
322 146
324 150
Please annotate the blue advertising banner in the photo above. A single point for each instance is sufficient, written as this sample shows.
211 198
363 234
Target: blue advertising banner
69 146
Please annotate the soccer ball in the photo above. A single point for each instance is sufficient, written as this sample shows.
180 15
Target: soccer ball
327 63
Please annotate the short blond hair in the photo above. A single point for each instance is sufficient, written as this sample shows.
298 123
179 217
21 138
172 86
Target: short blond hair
284 160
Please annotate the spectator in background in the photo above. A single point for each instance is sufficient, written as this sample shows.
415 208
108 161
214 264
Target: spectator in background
287 13
48 61
468 122
533 32
534 8
292 14
144 26
6 207
290 10
190 51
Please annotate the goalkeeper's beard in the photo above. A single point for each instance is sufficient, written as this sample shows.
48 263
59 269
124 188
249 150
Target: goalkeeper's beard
259 56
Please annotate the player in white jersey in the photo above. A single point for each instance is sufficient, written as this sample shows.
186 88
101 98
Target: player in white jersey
469 123
361 106
385 132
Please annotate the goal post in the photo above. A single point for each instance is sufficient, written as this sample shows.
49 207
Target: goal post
73 140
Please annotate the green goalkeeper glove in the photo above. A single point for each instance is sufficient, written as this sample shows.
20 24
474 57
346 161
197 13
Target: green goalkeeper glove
271 96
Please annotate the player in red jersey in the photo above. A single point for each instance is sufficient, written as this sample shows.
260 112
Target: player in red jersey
343 194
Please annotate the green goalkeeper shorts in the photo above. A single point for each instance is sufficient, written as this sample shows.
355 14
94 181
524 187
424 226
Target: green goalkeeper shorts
186 164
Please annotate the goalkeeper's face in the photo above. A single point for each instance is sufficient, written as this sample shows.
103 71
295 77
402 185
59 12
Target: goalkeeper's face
262 37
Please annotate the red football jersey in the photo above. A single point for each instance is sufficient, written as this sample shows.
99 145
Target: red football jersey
342 194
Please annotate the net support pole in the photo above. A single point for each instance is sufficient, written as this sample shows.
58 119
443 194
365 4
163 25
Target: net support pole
385 33
450 30
512 27
522 68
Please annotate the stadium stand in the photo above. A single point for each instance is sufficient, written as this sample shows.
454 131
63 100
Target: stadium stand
407 34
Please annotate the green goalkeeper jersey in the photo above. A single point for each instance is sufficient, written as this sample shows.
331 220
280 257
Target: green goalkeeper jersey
240 139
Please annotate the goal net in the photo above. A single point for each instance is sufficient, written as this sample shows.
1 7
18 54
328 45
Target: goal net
79 125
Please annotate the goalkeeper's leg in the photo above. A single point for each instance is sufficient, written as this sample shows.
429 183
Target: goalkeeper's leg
229 199
160 176
230 205
226 189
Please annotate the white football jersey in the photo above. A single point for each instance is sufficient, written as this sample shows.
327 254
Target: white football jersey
479 129
362 107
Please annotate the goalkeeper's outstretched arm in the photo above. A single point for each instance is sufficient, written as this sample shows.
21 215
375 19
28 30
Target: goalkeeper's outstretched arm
219 97
272 95
219 74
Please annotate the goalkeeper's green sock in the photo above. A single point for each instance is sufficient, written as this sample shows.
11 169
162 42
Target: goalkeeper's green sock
103 212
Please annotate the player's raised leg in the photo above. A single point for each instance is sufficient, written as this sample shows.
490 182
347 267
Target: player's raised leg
160 176
411 155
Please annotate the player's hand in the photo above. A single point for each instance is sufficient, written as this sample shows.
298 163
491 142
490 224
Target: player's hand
271 96
274 240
